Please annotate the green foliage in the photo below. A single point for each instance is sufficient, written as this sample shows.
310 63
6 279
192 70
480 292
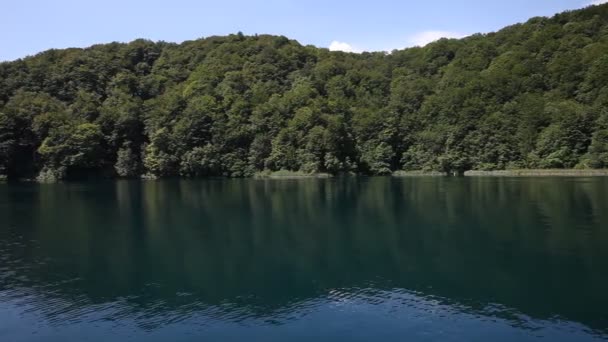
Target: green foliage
72 146
51 175
377 157
7 142
159 158
201 161
598 150
529 96
127 162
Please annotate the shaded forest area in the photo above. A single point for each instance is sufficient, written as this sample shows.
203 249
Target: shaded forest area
532 95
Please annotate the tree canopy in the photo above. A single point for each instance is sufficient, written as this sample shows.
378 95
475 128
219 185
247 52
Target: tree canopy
533 95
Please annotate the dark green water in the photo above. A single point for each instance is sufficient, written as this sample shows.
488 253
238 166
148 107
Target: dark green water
365 259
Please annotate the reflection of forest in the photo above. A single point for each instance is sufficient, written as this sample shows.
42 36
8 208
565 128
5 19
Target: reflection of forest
534 245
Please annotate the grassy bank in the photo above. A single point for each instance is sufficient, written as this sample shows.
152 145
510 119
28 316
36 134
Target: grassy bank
538 173
419 174
284 174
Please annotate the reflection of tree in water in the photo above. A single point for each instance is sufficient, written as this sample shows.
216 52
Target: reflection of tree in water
240 249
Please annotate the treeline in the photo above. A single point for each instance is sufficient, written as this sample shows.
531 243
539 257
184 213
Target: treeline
532 95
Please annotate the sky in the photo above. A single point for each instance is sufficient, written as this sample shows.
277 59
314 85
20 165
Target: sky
31 26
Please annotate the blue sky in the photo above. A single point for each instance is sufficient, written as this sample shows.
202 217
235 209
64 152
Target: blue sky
31 26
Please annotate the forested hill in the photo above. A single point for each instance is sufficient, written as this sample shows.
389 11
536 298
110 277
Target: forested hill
532 95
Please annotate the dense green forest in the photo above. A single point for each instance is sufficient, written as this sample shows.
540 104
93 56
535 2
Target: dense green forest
532 95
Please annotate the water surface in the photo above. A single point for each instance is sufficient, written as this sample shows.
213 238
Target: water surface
355 259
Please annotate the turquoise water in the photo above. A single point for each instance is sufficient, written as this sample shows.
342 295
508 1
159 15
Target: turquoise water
353 259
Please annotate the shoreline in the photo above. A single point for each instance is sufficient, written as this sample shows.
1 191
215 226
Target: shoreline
293 175
509 173
420 173
539 173
289 175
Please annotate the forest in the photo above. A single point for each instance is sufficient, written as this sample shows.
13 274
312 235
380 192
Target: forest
532 95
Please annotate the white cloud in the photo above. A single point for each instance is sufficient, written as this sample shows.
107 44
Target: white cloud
419 39
597 2
423 38
341 46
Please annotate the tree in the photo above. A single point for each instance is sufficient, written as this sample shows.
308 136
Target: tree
530 95
159 157
127 162
201 161
377 157
71 147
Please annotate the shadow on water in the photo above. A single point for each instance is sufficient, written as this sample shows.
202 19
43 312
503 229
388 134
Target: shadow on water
515 249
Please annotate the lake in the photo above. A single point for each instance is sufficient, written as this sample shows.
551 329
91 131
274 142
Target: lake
345 259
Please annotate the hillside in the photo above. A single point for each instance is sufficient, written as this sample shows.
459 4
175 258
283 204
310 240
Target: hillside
533 95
